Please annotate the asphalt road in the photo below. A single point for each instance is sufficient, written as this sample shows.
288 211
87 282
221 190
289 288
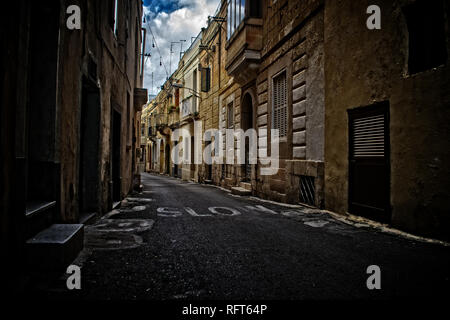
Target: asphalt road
181 240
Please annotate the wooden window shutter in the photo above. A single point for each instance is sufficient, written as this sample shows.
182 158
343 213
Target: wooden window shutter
206 78
279 110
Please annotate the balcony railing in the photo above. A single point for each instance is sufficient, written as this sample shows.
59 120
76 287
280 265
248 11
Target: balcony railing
189 107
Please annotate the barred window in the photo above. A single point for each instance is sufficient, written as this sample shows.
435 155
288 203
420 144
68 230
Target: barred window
279 104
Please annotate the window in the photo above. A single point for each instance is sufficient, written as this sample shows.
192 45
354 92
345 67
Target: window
230 114
143 129
141 62
194 87
113 20
426 28
255 8
177 97
236 14
279 103
206 79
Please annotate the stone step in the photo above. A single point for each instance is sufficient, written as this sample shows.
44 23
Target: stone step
240 191
55 247
39 216
88 218
246 185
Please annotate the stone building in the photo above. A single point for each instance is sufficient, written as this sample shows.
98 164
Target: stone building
263 69
274 52
71 101
362 113
188 80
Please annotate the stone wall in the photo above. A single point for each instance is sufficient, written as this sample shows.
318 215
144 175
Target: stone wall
365 66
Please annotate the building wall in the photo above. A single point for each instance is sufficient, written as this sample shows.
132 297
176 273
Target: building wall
293 41
116 79
47 67
372 66
214 37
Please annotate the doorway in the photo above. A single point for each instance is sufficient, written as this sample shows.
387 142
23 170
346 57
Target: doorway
247 123
167 158
192 158
369 162
116 143
89 148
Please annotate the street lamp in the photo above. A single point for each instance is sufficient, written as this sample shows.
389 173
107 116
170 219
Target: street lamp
180 86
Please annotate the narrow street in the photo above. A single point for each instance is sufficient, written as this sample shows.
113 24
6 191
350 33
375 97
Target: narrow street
181 240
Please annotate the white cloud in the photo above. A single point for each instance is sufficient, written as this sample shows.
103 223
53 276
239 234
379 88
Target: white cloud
181 24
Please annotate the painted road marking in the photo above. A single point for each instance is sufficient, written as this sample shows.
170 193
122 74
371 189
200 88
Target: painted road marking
168 212
214 210
261 209
139 199
195 214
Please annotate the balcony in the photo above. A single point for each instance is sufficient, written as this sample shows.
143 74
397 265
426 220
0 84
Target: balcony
189 108
244 44
140 98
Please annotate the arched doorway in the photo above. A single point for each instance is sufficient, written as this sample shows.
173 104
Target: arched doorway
247 122
167 158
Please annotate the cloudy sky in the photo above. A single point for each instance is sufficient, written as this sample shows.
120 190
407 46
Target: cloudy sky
171 21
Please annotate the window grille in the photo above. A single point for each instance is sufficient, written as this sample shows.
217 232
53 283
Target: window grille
307 190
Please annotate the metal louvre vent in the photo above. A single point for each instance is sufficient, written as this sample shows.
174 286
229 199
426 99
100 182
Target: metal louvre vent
279 112
369 136
307 190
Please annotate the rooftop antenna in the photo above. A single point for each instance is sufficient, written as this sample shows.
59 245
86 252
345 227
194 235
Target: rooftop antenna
181 49
171 51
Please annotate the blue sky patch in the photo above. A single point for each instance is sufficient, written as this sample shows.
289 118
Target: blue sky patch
167 6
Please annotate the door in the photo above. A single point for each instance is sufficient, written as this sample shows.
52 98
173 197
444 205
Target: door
247 123
369 162
167 158
89 148
192 158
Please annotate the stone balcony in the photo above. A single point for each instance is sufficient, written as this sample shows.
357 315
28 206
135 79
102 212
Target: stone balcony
244 51
140 98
